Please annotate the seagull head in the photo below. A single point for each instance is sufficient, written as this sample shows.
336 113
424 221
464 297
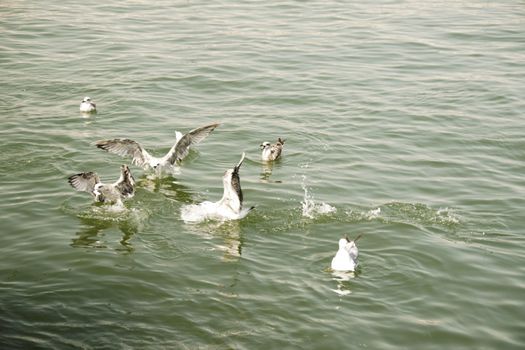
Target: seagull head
343 242
265 145
86 99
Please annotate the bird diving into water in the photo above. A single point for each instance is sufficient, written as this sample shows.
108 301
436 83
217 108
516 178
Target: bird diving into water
167 164
115 193
230 207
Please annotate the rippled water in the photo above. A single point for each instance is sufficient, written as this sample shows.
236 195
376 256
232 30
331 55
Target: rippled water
403 121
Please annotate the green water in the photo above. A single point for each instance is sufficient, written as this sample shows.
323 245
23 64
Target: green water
403 121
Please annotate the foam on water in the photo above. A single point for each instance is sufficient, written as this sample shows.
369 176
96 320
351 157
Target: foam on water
208 211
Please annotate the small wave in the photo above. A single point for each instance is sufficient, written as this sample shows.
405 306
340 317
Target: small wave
312 209
421 214
409 213
116 213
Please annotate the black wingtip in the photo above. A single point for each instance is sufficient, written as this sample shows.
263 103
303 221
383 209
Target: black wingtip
102 144
70 179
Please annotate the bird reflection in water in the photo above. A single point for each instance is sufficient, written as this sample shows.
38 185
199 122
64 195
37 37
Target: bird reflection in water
92 234
343 279
228 231
167 186
267 168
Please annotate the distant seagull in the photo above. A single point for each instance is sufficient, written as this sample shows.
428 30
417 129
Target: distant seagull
346 257
230 205
114 193
88 106
272 152
181 148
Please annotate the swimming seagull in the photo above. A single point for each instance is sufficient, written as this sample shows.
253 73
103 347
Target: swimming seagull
87 106
115 193
272 152
230 205
141 157
346 257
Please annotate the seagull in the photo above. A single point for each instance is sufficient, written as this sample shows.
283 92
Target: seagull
141 157
346 257
115 193
229 207
87 106
272 152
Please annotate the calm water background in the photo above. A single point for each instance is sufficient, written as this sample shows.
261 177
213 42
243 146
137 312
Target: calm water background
403 120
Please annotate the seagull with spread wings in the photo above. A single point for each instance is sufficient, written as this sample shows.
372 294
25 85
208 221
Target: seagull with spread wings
141 157
114 193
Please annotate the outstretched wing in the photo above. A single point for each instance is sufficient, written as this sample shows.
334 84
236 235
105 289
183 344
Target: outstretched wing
236 181
84 181
126 183
126 148
181 149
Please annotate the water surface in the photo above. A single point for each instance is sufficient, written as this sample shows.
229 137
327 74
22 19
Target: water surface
403 122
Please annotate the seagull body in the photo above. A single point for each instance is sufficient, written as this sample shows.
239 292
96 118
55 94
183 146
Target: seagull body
229 207
346 257
87 106
272 152
168 163
115 193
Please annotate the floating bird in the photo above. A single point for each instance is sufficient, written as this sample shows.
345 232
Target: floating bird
229 207
272 152
130 148
346 257
88 106
114 193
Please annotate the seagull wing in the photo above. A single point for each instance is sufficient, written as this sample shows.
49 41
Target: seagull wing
84 181
126 183
126 148
181 149
236 181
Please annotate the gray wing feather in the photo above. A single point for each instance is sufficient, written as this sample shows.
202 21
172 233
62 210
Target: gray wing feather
84 181
126 183
126 148
181 149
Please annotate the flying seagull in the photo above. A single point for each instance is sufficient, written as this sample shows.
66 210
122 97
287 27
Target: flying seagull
141 157
114 193
87 106
230 207
346 257
272 152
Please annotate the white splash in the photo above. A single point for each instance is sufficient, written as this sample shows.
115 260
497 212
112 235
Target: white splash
311 209
373 213
446 216
209 211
